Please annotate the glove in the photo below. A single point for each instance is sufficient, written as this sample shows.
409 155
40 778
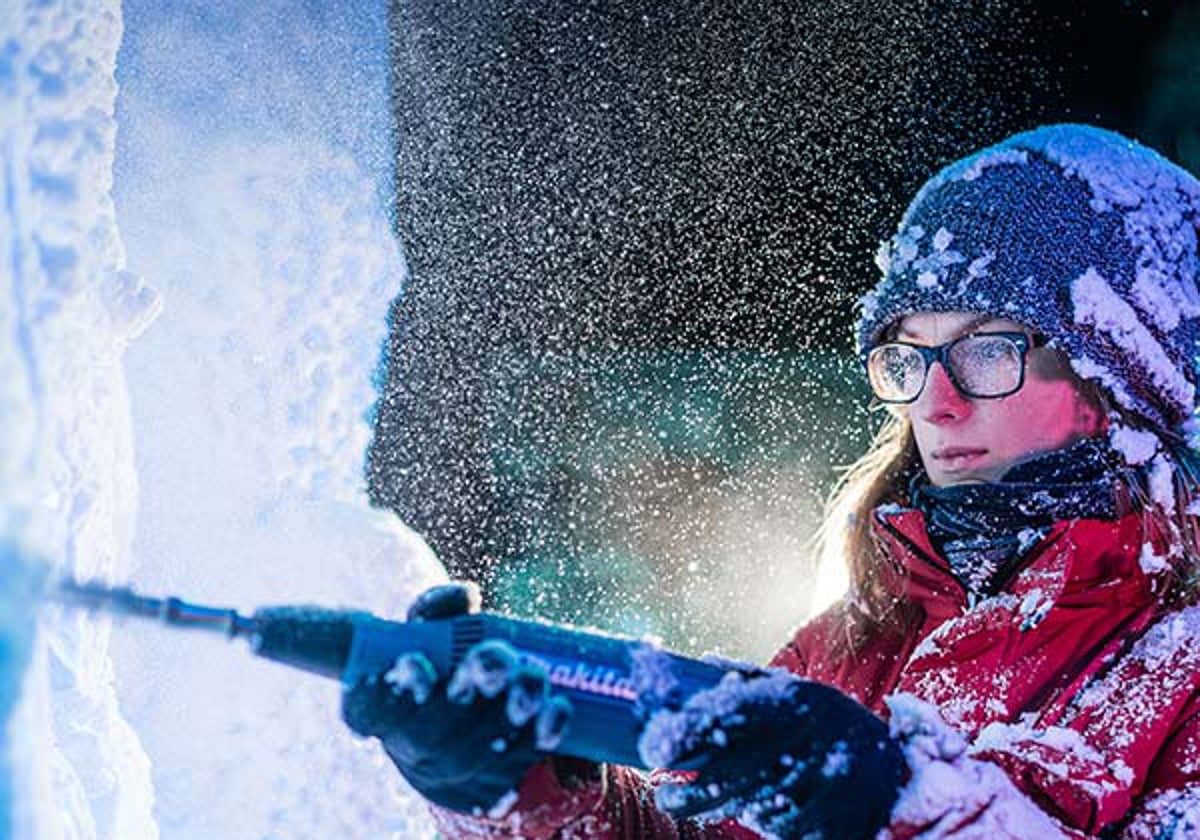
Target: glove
465 742
787 757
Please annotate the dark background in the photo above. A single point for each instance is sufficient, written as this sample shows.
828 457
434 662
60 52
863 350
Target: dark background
596 192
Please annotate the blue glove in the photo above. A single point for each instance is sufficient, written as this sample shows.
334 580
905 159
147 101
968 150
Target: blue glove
465 742
787 757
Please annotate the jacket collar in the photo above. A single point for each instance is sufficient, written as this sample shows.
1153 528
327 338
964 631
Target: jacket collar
1084 558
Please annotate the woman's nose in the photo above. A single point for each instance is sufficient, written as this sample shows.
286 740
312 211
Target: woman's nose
941 402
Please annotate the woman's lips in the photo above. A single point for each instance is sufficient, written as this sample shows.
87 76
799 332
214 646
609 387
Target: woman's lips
952 458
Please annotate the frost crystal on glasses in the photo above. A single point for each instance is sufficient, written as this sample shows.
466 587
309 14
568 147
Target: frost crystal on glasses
980 365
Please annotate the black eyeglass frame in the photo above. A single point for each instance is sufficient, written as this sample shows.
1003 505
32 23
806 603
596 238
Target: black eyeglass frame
941 353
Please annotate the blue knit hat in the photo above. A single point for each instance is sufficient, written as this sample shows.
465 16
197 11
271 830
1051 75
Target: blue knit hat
1079 233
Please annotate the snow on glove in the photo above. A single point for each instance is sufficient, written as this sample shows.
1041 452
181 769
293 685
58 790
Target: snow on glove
463 743
787 757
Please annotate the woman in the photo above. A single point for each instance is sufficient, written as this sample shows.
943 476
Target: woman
1022 549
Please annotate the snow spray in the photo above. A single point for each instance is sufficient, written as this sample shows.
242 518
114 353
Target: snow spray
602 676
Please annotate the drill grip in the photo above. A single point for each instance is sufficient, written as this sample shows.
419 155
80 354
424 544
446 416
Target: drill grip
602 676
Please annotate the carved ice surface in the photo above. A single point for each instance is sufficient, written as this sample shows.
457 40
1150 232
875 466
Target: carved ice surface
249 190
246 194
72 767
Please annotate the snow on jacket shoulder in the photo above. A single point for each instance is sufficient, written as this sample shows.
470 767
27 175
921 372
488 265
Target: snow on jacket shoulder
1065 706
1073 681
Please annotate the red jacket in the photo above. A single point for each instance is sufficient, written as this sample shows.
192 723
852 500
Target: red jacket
1075 682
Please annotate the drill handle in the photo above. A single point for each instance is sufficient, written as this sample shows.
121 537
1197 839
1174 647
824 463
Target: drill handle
601 676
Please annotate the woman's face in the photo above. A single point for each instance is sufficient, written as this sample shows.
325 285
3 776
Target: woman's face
964 439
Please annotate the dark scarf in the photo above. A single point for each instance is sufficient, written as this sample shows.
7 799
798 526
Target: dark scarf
983 530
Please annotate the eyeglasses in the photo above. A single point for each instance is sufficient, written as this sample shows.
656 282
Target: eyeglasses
981 365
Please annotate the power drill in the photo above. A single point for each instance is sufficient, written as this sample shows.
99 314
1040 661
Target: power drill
602 676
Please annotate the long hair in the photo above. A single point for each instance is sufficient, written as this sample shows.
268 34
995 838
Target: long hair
881 476
1174 513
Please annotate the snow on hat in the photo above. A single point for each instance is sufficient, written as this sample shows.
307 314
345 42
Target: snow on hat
1079 233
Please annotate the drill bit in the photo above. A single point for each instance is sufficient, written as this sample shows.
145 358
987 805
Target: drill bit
121 600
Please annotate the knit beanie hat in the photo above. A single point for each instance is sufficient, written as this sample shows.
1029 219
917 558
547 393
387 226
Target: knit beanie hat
1080 234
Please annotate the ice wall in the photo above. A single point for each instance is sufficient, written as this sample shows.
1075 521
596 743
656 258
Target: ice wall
67 488
252 157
